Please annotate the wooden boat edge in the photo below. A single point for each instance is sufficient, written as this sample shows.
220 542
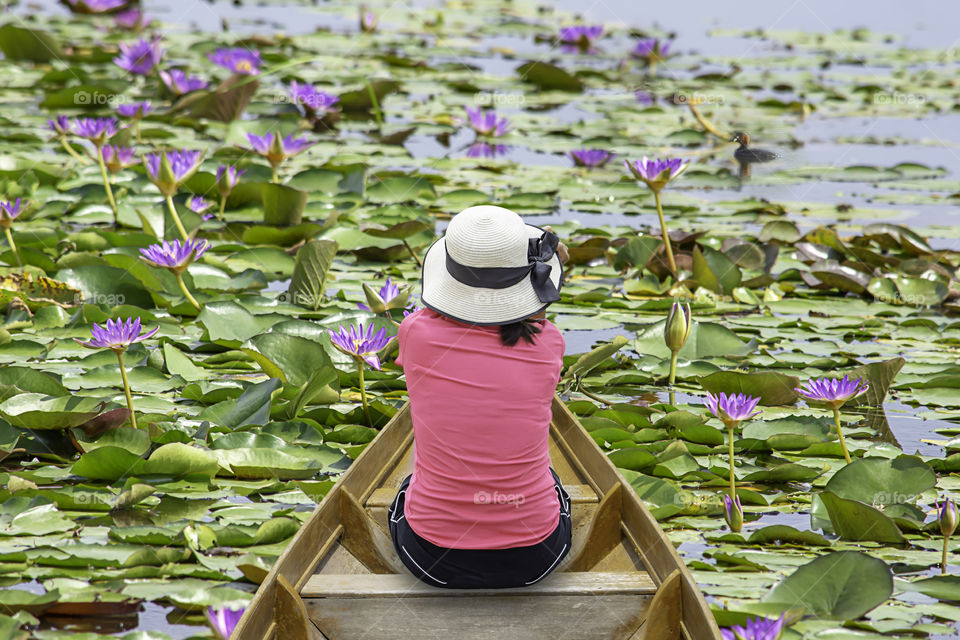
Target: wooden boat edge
659 555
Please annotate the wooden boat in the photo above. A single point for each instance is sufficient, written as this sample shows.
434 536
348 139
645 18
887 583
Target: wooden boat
340 579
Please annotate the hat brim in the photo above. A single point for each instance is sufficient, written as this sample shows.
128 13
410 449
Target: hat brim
442 293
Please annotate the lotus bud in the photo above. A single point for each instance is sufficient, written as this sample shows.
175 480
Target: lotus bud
947 515
390 296
166 180
677 329
733 513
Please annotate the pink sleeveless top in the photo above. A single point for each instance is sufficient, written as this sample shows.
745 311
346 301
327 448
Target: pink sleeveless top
481 419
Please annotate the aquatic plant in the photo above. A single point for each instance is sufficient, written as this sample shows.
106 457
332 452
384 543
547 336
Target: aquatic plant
656 174
176 257
363 347
131 19
98 131
652 51
276 149
224 621
135 111
487 123
117 158
834 393
9 210
483 149
675 334
590 157
117 335
237 59
141 57
169 170
733 513
732 409
179 83
580 37
947 519
198 204
228 176
390 296
757 629
313 101
368 20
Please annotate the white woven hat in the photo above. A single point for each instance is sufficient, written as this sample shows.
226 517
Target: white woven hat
491 268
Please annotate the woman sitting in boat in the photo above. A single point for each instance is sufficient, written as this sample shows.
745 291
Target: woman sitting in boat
483 508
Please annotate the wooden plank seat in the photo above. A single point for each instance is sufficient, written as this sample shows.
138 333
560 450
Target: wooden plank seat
607 605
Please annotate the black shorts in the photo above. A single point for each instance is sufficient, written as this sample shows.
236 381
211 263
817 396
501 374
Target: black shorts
480 568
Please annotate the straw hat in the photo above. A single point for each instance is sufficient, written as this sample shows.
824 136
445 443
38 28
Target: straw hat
491 268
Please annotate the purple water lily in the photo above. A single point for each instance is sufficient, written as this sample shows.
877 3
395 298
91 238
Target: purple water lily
9 210
140 57
359 343
487 123
116 334
733 512
237 60
833 391
733 408
580 37
134 110
198 204
96 130
656 172
757 629
179 83
228 176
224 621
131 19
590 157
484 149
363 346
644 97
313 101
95 6
277 149
182 165
174 255
387 292
368 20
651 47
59 125
117 158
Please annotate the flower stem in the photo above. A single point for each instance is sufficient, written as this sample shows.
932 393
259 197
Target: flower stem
13 247
106 185
186 292
363 392
843 443
412 252
590 395
706 124
673 366
126 389
223 205
73 152
733 480
666 237
276 174
943 555
176 218
376 105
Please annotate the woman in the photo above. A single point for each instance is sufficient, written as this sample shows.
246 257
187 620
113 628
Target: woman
483 508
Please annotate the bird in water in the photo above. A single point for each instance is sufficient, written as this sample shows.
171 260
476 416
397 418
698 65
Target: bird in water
746 155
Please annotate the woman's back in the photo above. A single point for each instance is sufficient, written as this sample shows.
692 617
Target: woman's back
481 415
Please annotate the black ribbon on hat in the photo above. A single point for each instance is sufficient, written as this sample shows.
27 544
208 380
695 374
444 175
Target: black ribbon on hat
539 252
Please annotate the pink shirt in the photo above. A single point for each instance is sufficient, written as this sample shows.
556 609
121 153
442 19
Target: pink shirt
481 419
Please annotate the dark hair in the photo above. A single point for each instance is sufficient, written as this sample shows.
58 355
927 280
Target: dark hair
511 333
